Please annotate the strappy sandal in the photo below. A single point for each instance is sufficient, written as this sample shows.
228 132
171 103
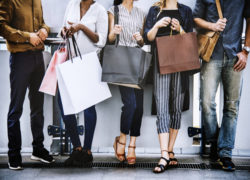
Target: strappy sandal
118 156
161 166
173 160
131 160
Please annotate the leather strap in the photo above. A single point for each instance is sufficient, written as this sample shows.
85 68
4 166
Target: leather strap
219 9
116 19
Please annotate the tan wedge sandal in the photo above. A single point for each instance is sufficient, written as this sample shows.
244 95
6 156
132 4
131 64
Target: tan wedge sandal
119 156
131 160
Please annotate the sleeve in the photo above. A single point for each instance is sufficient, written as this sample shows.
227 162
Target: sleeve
8 32
102 28
43 23
112 10
199 10
247 9
190 21
149 23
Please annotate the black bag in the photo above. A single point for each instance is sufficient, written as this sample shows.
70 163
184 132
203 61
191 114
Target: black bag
123 65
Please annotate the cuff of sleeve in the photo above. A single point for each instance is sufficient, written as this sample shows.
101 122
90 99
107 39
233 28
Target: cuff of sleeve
47 28
101 43
26 36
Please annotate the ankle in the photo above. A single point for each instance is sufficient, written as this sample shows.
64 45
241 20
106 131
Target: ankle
122 138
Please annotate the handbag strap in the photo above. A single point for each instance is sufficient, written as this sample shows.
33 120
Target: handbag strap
219 9
116 19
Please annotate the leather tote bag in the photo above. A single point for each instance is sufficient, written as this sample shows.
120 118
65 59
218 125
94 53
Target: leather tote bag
208 39
123 65
177 53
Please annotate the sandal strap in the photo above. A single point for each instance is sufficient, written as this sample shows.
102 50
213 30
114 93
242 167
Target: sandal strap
131 158
171 152
167 160
161 166
121 143
132 147
173 159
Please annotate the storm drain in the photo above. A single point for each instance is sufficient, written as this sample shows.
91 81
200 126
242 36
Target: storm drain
143 165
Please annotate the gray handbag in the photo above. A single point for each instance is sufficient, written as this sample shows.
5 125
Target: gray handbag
123 65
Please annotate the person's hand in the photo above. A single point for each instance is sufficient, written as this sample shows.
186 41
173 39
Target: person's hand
175 25
43 34
64 32
74 27
219 25
35 39
137 36
241 63
163 22
117 29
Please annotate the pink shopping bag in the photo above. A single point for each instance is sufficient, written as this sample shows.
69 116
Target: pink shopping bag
49 83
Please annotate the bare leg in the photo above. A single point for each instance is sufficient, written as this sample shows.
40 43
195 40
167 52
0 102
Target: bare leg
172 137
131 151
163 138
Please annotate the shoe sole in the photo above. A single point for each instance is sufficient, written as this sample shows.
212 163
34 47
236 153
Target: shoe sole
15 168
225 168
35 158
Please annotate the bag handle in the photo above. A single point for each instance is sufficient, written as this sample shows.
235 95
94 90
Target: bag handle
69 49
76 47
116 19
219 9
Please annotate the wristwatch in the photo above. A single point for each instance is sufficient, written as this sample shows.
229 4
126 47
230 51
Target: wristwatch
247 49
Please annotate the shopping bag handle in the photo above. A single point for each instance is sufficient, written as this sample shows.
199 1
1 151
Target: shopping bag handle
76 47
69 49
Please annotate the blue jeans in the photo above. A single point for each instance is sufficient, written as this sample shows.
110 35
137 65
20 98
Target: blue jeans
212 74
132 110
71 126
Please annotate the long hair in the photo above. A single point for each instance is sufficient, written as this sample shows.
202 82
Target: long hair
161 4
117 2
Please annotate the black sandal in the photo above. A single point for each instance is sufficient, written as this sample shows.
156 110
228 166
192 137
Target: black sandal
173 160
161 166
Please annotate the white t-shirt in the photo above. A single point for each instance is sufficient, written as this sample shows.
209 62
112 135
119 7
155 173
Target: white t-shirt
96 19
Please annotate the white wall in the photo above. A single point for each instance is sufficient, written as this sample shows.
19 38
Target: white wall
108 112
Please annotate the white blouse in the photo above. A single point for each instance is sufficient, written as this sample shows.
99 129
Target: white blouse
96 19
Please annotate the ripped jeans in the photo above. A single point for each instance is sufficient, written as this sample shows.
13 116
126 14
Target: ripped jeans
212 74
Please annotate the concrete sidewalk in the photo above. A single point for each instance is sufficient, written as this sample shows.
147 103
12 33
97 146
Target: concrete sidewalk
106 167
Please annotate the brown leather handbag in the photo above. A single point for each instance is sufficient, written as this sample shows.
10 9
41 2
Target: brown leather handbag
177 53
208 39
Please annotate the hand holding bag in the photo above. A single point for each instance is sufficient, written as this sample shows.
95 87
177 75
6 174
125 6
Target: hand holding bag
177 53
208 39
123 65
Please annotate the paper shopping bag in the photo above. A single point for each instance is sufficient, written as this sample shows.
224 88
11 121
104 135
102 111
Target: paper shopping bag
49 83
80 83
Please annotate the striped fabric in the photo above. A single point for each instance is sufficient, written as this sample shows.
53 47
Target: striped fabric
131 23
169 100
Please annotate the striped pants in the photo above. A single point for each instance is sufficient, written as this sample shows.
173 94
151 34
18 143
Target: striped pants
169 100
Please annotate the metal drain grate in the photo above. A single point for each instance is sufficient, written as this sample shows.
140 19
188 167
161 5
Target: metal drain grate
144 165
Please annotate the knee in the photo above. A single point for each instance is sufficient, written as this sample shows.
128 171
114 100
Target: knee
207 105
232 107
130 105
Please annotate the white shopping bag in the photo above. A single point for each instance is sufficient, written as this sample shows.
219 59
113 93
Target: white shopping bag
80 83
